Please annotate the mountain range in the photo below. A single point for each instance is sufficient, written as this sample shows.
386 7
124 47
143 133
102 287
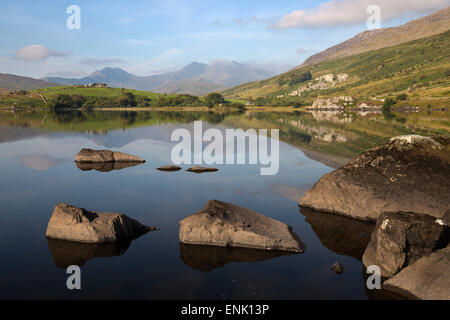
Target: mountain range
195 78
13 82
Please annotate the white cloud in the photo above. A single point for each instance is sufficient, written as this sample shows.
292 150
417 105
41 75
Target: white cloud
37 52
349 12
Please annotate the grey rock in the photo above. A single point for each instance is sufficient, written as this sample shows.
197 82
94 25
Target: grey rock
225 224
401 238
428 278
95 156
76 224
407 173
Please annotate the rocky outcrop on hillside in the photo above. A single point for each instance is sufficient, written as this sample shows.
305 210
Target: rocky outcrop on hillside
320 83
333 103
407 173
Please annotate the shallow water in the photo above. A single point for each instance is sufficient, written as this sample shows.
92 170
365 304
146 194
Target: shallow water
37 171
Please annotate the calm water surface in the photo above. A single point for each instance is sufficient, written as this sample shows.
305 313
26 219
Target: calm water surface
37 171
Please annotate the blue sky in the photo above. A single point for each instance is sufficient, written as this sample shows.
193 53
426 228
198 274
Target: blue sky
147 37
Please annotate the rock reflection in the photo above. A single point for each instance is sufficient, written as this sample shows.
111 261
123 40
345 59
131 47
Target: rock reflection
105 166
66 253
340 234
207 258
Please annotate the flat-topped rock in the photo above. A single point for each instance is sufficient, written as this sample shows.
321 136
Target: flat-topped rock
198 169
427 279
169 168
225 224
96 156
77 224
401 238
407 173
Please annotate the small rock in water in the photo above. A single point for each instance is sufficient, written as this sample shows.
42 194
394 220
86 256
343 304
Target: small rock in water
337 268
198 169
169 168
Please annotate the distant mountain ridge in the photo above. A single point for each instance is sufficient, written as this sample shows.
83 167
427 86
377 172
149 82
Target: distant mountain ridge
195 78
430 25
13 82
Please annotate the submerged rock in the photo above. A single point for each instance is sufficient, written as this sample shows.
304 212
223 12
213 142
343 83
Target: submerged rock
207 258
402 238
90 155
76 224
198 169
225 224
407 173
67 253
169 168
105 166
428 278
337 268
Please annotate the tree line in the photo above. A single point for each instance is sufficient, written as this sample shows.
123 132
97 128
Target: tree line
129 100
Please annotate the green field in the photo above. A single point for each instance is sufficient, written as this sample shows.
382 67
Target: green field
94 92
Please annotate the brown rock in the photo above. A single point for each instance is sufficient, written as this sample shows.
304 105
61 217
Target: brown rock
225 224
428 278
337 268
90 155
401 238
198 169
76 224
169 168
407 173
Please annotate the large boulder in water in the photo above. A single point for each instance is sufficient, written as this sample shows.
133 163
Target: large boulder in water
428 278
225 224
402 238
407 173
95 156
76 224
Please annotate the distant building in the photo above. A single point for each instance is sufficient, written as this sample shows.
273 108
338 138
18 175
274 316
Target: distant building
96 85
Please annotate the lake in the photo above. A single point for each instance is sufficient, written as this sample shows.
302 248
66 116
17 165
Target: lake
37 169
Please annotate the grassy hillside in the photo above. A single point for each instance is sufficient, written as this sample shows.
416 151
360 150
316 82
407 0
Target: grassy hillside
13 82
428 26
94 92
80 97
420 68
